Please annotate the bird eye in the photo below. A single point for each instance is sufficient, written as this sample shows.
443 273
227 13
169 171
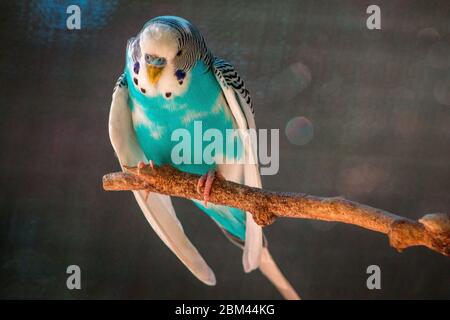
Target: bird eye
179 53
147 57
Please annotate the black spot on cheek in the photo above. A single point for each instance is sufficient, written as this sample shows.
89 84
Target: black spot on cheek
136 67
135 81
142 90
168 94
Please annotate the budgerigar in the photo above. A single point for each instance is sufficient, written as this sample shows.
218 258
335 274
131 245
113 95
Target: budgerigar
172 81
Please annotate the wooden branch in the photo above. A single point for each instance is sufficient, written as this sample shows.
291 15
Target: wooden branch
432 231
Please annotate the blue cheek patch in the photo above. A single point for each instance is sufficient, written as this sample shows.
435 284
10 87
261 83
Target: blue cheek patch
136 67
180 74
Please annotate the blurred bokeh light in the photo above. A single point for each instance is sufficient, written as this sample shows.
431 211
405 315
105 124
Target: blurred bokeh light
299 131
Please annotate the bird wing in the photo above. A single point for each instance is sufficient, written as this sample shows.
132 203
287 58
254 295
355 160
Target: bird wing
240 104
158 209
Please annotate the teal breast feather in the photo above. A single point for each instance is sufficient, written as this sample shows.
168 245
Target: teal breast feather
155 118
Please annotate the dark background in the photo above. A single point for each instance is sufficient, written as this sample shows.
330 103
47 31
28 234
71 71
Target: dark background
378 102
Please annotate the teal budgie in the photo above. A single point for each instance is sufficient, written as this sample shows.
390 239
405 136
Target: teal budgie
172 81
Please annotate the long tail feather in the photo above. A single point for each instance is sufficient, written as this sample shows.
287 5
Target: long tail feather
269 268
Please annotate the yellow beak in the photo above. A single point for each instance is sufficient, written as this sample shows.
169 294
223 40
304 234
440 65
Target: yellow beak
154 73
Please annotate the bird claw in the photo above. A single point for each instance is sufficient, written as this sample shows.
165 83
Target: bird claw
201 183
206 181
141 165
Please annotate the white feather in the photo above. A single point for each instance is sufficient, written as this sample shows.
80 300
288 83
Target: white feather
157 209
270 269
253 234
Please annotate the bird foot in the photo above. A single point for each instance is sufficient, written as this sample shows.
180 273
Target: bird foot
141 165
206 181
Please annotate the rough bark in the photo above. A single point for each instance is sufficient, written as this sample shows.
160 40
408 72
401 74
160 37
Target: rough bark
432 231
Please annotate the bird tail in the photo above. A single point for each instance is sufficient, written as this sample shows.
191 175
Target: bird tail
270 269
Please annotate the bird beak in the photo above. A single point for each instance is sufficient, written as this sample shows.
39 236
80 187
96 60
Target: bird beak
154 73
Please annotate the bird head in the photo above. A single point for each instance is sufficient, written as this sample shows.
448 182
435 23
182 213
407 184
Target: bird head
159 46
165 50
